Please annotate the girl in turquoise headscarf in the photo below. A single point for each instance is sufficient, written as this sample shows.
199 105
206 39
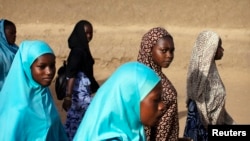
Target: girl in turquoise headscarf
129 99
27 110
8 48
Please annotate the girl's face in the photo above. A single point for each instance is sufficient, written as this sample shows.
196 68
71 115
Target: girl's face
163 52
89 32
151 106
10 34
43 69
219 52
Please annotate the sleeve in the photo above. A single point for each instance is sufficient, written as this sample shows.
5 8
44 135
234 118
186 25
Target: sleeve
94 85
73 63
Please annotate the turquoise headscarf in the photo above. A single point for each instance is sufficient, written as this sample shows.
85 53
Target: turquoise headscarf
27 110
114 113
7 53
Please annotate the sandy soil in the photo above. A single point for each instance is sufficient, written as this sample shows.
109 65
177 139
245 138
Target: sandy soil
119 26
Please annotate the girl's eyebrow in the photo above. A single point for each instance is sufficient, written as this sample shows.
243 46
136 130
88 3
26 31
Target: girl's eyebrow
165 47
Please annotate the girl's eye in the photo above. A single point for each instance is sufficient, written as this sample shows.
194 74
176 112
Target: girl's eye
171 50
41 67
157 100
53 65
164 50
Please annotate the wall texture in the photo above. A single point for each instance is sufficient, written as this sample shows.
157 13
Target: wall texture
119 25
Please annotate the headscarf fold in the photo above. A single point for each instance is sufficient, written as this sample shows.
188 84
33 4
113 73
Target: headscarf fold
204 84
7 53
114 113
27 110
168 126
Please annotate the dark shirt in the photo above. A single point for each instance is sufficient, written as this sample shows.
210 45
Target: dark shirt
81 60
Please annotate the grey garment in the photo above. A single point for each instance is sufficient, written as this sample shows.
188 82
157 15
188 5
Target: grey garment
204 84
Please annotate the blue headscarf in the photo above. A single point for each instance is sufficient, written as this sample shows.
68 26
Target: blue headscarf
114 113
27 110
7 53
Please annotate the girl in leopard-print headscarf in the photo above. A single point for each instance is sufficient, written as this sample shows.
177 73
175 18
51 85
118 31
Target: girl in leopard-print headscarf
157 52
205 89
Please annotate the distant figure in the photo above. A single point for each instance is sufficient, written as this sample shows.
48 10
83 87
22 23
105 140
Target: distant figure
157 52
81 81
27 109
205 90
8 48
128 100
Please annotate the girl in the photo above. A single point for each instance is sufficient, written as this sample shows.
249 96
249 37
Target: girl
27 110
128 100
157 52
81 82
205 89
8 48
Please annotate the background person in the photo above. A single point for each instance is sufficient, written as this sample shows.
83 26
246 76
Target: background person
81 82
205 90
8 48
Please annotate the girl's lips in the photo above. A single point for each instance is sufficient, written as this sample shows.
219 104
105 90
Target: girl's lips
168 61
48 79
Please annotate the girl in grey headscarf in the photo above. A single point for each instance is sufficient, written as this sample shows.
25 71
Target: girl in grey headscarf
205 89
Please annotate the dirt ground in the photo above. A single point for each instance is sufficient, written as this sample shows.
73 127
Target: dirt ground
119 26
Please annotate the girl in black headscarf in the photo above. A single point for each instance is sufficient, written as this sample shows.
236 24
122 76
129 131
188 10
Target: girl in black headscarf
80 77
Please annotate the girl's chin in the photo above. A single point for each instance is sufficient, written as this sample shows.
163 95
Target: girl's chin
165 65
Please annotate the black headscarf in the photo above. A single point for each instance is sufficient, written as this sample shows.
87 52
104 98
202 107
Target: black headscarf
78 38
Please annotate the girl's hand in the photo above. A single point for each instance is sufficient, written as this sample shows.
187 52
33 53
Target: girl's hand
66 103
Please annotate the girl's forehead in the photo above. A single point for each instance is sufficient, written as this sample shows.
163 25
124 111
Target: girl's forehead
45 56
87 26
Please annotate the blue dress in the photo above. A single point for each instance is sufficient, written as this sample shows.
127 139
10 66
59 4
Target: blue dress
194 128
82 98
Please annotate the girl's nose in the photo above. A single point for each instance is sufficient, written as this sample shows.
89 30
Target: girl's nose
161 106
48 71
222 48
170 54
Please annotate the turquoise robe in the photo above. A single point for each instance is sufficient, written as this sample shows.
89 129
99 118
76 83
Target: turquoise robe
114 113
27 109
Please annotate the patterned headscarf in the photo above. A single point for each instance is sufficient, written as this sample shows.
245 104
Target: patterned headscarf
204 84
168 126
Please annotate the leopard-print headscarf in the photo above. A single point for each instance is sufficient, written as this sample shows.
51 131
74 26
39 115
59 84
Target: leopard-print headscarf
168 127
204 84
